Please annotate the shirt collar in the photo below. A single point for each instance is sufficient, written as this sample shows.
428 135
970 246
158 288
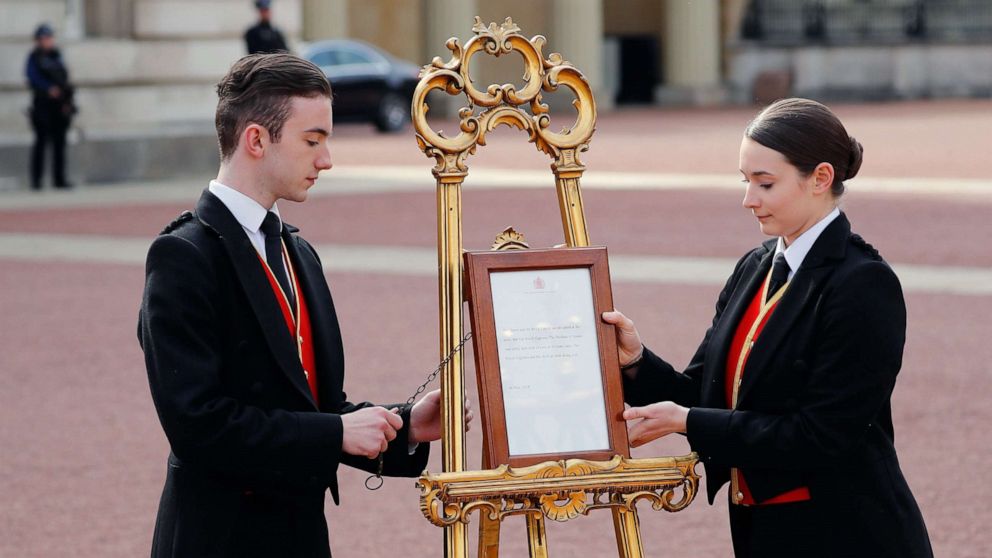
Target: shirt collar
796 252
247 211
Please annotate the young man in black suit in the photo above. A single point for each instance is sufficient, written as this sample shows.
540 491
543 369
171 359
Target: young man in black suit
242 344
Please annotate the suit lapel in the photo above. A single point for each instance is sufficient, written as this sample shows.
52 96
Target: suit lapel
807 281
244 258
323 323
753 274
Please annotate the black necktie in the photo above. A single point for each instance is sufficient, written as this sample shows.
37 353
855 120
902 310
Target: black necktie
273 255
780 274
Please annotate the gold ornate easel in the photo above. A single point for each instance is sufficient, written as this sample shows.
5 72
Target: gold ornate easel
559 490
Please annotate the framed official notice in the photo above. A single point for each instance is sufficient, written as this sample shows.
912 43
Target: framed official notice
549 378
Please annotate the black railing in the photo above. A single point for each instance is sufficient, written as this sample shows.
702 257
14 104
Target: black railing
854 22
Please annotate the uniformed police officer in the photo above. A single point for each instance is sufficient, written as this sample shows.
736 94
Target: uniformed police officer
52 106
263 36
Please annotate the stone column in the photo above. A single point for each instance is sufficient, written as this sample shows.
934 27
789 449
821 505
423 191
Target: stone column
325 19
577 33
75 20
445 19
109 18
691 45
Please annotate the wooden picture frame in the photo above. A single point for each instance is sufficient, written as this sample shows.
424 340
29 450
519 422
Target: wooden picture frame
546 363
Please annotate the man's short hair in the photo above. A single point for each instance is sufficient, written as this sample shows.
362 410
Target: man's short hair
258 89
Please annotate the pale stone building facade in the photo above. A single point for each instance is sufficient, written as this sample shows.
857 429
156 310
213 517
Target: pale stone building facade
146 68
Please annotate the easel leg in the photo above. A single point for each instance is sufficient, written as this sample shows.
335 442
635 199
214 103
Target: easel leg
488 535
456 541
628 532
537 537
488 528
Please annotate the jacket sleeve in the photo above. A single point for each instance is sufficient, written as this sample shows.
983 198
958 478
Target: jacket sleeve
36 78
857 354
398 461
250 42
178 329
654 379
280 41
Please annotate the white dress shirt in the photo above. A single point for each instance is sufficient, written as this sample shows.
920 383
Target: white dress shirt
248 212
796 252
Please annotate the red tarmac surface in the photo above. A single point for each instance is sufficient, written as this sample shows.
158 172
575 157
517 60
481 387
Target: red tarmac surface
82 457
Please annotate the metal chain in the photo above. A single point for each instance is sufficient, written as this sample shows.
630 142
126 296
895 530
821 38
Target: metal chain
377 483
432 375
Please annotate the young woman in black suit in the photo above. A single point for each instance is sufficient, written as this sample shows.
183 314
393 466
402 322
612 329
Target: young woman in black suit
788 396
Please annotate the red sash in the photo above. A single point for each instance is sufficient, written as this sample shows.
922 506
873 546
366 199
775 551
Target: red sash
733 357
303 335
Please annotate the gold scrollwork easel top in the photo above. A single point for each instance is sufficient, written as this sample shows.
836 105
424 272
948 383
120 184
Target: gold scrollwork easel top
503 104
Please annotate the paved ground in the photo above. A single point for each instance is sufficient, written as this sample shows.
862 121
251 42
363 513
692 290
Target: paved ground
82 457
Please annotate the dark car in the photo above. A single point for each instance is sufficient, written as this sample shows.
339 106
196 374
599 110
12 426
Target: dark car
369 85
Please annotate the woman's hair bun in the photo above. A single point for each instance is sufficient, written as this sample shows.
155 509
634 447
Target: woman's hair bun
854 158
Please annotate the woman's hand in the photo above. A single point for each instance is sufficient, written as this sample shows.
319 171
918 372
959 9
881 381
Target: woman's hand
425 418
646 424
629 347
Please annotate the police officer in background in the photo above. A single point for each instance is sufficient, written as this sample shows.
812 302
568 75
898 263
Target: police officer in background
263 37
52 107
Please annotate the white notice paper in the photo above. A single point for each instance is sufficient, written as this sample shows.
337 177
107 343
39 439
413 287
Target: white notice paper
549 361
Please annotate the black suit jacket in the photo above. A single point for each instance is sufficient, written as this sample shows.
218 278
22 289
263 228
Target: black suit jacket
252 455
814 403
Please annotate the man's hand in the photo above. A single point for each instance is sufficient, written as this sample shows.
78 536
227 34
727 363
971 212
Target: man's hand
54 92
368 431
629 346
425 418
645 424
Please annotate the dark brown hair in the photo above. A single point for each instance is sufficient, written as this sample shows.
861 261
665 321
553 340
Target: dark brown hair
258 89
807 133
